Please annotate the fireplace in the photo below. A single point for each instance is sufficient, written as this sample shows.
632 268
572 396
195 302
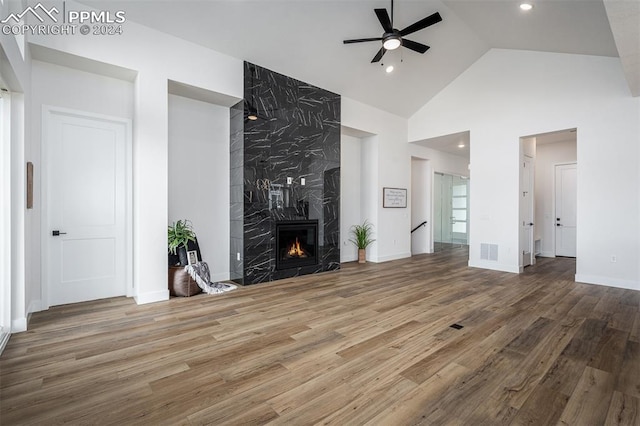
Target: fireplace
296 243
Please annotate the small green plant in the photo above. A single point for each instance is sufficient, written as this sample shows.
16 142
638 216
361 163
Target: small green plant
179 235
362 235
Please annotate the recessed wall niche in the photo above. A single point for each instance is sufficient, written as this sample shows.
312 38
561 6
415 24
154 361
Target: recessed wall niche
285 167
198 175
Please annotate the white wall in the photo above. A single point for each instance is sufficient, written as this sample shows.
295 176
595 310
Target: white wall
386 162
156 58
547 157
507 94
350 193
199 176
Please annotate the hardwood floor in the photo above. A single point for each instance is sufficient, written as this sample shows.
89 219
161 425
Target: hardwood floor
370 344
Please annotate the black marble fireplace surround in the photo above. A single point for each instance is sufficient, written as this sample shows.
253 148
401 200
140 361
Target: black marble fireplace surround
285 170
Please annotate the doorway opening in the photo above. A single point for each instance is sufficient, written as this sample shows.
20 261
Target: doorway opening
421 178
553 158
451 211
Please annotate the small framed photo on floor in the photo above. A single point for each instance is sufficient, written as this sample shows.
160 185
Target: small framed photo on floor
192 257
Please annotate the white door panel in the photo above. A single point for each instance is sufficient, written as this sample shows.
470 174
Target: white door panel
566 209
86 203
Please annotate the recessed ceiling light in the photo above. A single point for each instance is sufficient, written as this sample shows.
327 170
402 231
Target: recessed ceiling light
526 6
461 145
389 69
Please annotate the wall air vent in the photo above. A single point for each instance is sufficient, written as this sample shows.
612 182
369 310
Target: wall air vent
489 252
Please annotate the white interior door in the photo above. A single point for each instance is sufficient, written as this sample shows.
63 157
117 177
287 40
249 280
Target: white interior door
86 207
566 201
527 212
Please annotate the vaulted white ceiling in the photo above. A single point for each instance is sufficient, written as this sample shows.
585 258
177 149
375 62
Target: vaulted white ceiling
303 38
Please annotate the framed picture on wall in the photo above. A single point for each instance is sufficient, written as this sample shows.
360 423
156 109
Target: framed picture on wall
192 257
394 198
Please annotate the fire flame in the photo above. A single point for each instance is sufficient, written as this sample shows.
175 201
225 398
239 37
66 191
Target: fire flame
295 250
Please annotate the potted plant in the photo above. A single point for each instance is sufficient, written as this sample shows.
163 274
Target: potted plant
181 238
362 239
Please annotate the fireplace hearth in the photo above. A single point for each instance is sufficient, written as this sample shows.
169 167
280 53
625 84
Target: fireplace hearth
296 243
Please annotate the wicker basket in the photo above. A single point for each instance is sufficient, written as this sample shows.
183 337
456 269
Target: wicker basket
181 283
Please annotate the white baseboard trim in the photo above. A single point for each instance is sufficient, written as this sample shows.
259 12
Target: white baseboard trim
607 281
19 325
546 254
494 266
390 257
4 339
152 297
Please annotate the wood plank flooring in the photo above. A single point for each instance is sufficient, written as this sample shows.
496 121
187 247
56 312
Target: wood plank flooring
370 344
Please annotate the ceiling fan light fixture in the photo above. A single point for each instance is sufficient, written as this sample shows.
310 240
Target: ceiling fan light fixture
389 69
392 42
392 38
526 6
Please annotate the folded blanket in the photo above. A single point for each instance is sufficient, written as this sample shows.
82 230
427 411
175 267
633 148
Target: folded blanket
200 273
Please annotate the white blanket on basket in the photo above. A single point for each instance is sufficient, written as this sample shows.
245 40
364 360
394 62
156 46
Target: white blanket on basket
200 273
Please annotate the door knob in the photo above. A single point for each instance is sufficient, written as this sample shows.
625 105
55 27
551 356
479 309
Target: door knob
558 224
56 233
530 223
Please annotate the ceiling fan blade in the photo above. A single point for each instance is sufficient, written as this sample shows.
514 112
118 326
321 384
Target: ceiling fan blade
379 55
422 24
383 17
415 46
361 40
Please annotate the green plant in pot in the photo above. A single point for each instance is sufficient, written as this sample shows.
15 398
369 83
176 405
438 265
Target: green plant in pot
181 238
361 237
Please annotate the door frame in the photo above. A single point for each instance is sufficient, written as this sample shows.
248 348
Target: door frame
425 189
5 220
531 213
433 174
47 112
553 201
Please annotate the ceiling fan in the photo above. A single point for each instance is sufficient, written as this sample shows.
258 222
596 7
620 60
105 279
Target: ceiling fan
393 38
